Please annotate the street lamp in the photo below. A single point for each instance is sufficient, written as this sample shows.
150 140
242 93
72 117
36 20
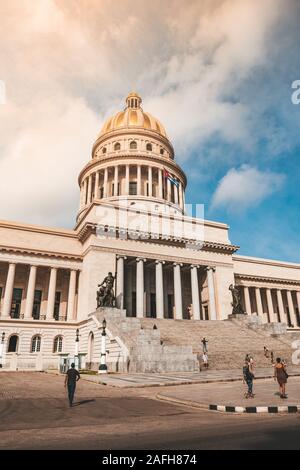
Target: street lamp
76 356
2 348
103 366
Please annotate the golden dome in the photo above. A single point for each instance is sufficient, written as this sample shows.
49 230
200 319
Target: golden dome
133 117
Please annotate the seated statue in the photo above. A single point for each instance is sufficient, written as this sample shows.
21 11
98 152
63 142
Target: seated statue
236 300
105 293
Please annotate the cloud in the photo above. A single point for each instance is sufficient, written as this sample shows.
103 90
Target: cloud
69 65
247 186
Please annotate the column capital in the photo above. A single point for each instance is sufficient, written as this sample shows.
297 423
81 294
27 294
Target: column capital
194 266
177 264
159 261
141 259
121 256
210 268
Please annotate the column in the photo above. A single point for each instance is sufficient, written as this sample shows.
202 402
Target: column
177 291
247 300
168 190
298 303
120 282
96 191
71 296
211 293
291 308
259 303
176 188
127 180
180 195
30 293
89 190
160 184
51 294
116 180
149 180
9 286
282 315
139 287
105 189
195 292
139 180
159 289
270 306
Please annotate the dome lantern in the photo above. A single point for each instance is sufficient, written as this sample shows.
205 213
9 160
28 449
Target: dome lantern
133 100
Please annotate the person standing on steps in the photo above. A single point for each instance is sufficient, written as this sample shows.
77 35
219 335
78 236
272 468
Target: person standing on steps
72 376
280 374
205 360
204 342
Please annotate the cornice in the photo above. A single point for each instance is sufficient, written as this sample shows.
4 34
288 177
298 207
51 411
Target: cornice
266 279
37 228
42 253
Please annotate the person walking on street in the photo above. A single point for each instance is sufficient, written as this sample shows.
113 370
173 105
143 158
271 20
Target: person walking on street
72 376
280 374
248 376
204 345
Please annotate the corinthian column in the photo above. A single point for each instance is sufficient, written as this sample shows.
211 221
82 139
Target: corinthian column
51 294
280 306
270 306
195 292
211 293
8 293
291 308
71 295
177 291
30 292
247 300
139 287
159 289
120 282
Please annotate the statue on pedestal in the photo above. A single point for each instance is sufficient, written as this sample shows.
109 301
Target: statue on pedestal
105 293
236 300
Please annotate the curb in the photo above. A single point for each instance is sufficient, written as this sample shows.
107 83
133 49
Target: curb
255 409
231 409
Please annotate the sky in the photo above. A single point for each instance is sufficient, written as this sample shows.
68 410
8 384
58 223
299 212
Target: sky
217 73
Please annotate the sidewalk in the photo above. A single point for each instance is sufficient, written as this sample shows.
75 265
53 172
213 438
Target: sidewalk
179 378
229 397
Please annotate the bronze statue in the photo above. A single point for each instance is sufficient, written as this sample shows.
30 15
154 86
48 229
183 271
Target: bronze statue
236 300
105 293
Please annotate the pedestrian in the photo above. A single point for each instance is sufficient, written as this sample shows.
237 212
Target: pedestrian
272 357
248 376
281 375
205 360
204 345
72 376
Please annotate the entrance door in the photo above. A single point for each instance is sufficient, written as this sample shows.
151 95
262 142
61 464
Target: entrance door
170 305
152 305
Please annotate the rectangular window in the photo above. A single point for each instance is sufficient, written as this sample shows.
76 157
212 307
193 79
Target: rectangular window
16 303
132 188
101 192
57 305
170 305
37 304
152 305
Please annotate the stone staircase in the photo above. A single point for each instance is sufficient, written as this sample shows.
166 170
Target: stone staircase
142 348
228 341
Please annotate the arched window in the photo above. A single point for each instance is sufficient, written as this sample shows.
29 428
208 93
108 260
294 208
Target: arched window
149 147
13 344
58 344
104 150
133 145
36 344
117 146
162 151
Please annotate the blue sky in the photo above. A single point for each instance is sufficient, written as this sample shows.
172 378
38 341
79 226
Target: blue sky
217 73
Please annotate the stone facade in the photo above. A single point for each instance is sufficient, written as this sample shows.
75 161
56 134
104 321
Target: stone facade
131 221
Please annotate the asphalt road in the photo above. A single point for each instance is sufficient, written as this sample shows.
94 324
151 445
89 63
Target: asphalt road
34 414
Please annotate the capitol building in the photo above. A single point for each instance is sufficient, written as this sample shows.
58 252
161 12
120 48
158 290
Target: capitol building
172 271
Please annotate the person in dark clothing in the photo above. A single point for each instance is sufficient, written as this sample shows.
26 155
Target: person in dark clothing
248 376
72 376
204 345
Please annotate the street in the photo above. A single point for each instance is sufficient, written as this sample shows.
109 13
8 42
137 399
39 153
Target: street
34 414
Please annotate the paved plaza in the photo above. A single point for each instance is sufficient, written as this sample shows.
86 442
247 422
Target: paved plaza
34 414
